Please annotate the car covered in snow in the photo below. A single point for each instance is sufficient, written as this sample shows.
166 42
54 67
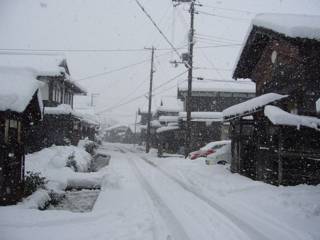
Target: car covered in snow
221 154
208 149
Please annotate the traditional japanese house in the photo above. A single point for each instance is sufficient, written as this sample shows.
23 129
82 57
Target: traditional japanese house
120 133
60 124
276 137
169 135
142 125
209 98
20 107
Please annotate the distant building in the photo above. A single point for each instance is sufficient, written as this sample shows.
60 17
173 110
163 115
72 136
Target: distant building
276 137
119 133
20 107
209 99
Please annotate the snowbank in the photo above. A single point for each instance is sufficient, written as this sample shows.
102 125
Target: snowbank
38 200
52 163
279 117
252 104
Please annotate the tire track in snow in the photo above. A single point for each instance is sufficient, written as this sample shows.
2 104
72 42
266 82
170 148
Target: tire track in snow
177 231
247 228
253 233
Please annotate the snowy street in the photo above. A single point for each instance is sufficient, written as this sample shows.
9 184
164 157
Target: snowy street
145 197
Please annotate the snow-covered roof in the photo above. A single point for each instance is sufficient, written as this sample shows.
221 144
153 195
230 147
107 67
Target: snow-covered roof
279 117
60 109
242 86
291 25
64 109
87 115
203 116
252 105
167 128
18 85
155 123
170 104
168 119
117 126
45 65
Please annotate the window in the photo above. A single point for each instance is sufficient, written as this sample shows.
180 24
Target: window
12 132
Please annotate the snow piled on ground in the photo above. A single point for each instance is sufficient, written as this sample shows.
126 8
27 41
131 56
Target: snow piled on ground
52 164
296 209
125 209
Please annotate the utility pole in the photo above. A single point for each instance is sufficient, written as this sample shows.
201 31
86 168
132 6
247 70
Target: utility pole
189 64
92 98
150 102
135 129
190 75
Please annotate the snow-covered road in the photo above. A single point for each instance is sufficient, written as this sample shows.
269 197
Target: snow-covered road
144 197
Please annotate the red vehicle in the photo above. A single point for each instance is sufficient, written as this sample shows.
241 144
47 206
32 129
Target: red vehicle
207 149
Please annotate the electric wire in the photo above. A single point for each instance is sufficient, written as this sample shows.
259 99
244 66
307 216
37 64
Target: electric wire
228 9
160 31
225 17
140 96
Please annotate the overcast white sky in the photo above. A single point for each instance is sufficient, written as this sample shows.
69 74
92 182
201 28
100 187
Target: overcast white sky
120 24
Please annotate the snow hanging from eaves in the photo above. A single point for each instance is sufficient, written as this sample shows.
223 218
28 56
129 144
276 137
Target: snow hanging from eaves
279 117
18 85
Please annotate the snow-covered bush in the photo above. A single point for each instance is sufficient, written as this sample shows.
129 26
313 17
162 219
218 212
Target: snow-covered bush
88 145
38 200
33 181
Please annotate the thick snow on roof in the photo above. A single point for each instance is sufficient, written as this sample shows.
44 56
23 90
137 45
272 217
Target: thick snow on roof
167 128
117 126
291 25
202 115
61 109
45 65
252 104
241 86
208 117
155 123
18 85
279 117
64 109
170 104
168 119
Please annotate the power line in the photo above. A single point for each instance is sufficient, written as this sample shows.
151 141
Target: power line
223 16
73 50
49 52
112 71
228 9
160 31
211 37
208 40
140 96
118 69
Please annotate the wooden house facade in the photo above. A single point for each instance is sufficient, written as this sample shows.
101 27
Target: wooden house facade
20 107
60 125
275 138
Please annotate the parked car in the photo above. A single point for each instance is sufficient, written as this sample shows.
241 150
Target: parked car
222 155
208 149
